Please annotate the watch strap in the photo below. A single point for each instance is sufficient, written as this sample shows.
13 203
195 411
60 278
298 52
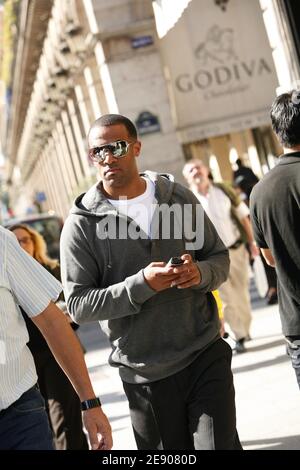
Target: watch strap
91 403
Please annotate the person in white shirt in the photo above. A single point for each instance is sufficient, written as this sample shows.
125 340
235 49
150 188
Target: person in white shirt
23 420
231 220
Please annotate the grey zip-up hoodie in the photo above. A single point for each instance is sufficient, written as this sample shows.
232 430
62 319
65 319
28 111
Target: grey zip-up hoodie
153 334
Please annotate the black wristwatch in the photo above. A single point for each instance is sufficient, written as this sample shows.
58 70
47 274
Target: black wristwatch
91 403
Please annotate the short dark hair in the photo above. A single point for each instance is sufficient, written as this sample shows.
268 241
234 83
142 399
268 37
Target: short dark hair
114 119
285 118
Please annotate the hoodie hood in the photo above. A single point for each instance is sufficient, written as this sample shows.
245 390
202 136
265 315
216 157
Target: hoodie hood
94 203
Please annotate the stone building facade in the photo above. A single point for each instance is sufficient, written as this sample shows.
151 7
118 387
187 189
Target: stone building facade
77 59
94 57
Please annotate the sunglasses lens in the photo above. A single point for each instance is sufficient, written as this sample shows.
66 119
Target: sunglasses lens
120 148
94 154
117 149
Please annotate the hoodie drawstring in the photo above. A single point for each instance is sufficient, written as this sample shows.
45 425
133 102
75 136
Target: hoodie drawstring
109 264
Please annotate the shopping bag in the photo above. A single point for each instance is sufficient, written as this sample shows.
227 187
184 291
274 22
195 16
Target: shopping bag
260 277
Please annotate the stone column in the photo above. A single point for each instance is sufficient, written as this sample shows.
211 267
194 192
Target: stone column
239 143
79 138
84 104
54 173
66 170
70 164
72 146
220 149
106 79
92 92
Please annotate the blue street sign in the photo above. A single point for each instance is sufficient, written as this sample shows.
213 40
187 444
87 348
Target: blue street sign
141 41
40 196
147 123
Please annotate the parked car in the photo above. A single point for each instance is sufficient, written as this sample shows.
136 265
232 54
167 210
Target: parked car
48 225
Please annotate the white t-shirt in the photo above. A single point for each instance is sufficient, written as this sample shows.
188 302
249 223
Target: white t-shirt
140 208
218 208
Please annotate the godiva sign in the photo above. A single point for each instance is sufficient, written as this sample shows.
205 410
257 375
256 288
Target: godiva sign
219 69
220 76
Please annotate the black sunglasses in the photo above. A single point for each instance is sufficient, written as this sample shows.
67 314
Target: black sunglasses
118 149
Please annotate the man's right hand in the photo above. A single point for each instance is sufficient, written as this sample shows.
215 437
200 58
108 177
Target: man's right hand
159 276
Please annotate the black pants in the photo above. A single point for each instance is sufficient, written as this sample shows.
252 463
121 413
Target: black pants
193 409
62 404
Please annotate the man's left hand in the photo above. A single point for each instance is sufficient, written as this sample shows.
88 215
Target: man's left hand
189 274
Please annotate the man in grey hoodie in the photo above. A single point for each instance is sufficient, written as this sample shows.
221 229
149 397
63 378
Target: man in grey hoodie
162 321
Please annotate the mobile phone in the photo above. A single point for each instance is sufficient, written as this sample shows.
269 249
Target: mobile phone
175 261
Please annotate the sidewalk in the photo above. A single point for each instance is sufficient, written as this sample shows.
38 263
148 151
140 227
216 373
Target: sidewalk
267 395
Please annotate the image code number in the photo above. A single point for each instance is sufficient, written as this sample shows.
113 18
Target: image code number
163 459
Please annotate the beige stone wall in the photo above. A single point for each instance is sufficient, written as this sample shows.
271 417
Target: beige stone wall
113 15
139 86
